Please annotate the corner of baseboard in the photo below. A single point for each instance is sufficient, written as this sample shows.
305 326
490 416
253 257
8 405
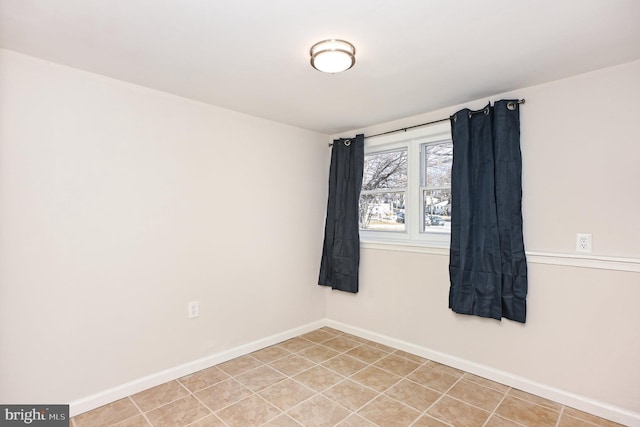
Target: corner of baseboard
582 403
105 397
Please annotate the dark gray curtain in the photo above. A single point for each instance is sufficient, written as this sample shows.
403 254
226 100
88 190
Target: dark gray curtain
341 251
487 268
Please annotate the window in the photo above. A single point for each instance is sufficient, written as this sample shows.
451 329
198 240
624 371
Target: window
384 190
435 191
406 188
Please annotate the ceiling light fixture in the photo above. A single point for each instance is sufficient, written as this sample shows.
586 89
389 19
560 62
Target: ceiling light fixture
332 56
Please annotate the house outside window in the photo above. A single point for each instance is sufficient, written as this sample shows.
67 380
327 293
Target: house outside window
406 188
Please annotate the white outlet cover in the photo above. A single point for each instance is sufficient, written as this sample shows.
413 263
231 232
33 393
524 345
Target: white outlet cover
583 243
193 309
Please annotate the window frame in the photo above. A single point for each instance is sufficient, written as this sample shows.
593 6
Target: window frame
411 140
388 190
423 181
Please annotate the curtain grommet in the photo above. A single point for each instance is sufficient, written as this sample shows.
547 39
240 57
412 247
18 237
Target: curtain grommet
511 105
486 111
347 142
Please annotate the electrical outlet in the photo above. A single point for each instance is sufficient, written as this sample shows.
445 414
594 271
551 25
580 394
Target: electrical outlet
193 309
583 243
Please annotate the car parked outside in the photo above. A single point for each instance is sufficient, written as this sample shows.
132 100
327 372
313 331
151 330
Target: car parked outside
435 220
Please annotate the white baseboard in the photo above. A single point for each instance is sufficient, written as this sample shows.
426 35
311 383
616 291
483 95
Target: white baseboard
111 395
581 403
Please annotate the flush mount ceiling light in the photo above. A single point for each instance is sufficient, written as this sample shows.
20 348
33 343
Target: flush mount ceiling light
332 56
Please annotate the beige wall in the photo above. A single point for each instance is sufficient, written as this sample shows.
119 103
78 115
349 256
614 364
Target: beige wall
581 148
118 205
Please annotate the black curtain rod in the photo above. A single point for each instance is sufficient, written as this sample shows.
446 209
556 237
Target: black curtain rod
520 101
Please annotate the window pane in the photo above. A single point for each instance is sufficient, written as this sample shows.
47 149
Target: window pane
438 159
385 170
382 211
436 211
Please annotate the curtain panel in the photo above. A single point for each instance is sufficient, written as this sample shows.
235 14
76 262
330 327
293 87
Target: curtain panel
487 267
341 251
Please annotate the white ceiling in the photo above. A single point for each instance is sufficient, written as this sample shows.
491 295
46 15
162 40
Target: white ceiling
252 56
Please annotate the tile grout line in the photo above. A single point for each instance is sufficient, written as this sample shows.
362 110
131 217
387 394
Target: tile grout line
476 406
342 349
504 396
230 404
559 411
233 377
382 393
289 377
313 395
534 403
229 378
560 415
444 393
320 364
253 393
205 405
369 364
144 414
426 363
471 379
300 403
420 413
355 411
280 411
344 378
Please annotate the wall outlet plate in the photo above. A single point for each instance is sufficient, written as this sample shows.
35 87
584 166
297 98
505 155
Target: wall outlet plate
583 243
193 309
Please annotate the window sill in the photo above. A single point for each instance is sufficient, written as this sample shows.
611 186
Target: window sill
433 248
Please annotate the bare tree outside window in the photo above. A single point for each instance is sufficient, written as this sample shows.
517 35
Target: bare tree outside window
419 209
437 160
384 184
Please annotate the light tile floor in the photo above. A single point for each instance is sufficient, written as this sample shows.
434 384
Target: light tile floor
330 378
